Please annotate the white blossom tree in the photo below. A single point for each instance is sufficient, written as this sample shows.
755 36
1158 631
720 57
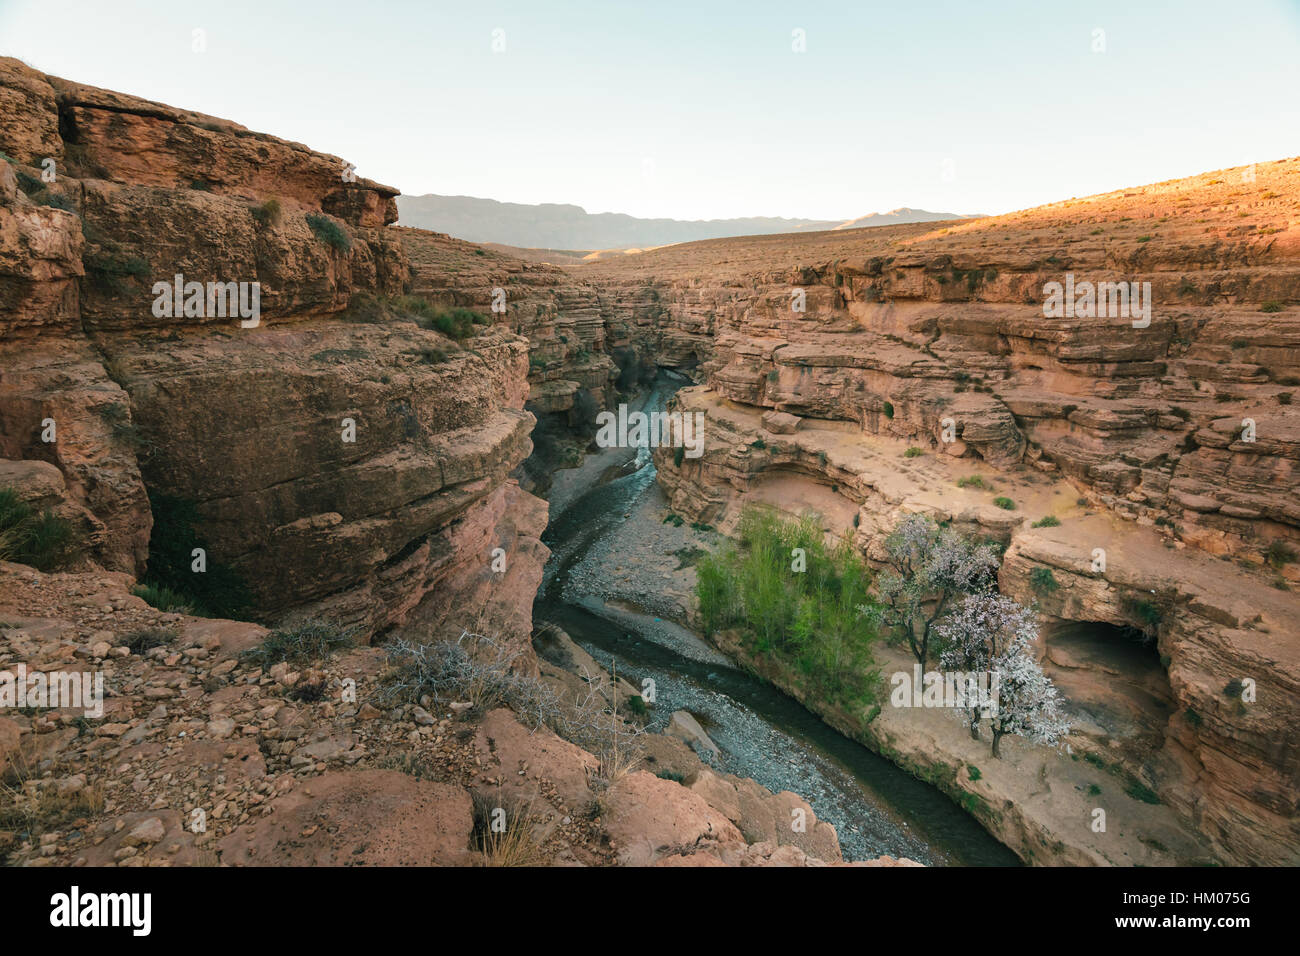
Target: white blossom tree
926 569
990 632
1029 705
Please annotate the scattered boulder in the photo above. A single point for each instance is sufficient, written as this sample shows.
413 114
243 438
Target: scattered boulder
648 818
781 423
685 727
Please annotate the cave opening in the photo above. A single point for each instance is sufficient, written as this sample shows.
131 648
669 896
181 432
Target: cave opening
1114 674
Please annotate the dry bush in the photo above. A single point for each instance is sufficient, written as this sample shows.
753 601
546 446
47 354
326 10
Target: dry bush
32 807
482 670
472 668
595 724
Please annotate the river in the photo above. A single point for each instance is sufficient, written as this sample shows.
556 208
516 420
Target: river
875 807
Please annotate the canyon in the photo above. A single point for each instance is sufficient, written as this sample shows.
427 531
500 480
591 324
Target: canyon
345 462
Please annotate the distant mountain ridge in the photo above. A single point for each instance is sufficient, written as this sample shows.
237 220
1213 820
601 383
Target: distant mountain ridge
566 226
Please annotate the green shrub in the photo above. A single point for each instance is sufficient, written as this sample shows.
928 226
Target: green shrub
1280 553
1043 581
912 452
44 540
758 443
888 409
109 269
679 455
1147 613
457 323
1005 503
637 705
432 355
1140 791
46 197
808 620
1047 521
974 772
329 232
163 598
269 213
1272 305
28 183
309 642
973 481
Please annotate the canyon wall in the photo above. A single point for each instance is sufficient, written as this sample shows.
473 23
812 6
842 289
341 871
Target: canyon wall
888 365
336 462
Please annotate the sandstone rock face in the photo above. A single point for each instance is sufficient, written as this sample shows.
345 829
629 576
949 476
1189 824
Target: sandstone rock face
781 819
368 817
337 465
649 818
938 337
126 139
780 423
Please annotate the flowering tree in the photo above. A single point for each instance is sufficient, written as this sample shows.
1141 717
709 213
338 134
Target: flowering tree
990 632
926 569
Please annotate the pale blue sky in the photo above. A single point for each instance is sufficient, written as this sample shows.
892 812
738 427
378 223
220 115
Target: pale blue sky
701 109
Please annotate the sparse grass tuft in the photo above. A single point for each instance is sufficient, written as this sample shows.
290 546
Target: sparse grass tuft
504 833
43 540
30 807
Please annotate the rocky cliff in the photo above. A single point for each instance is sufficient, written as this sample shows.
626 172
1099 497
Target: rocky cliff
338 461
887 365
